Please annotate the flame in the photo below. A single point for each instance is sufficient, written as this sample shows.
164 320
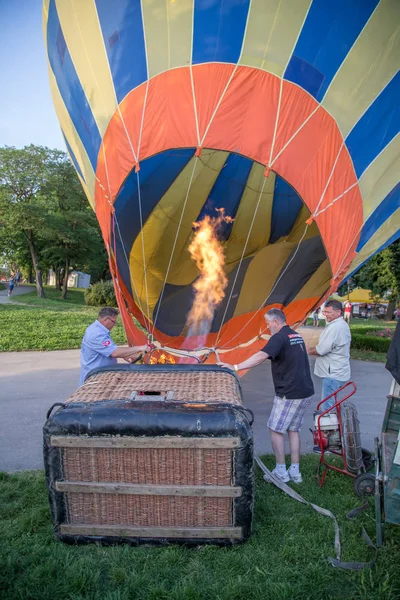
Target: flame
161 359
207 252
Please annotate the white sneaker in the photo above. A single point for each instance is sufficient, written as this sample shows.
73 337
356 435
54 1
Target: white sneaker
284 478
295 478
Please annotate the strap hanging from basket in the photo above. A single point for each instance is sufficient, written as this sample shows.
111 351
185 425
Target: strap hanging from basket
335 562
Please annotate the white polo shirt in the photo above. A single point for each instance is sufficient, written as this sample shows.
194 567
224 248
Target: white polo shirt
333 349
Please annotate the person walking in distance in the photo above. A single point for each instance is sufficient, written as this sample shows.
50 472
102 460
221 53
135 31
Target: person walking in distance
347 311
332 352
293 390
315 317
11 285
18 277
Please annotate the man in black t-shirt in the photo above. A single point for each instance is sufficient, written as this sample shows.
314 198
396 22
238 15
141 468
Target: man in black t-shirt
293 390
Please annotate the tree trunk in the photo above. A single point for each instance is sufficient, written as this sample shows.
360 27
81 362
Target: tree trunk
57 273
390 310
38 272
65 282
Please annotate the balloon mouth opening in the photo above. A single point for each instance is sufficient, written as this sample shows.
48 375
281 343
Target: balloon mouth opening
206 285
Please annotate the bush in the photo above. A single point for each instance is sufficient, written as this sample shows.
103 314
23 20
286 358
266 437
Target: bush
101 294
382 333
362 329
368 342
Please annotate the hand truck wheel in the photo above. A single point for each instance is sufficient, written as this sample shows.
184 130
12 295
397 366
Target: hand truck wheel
364 485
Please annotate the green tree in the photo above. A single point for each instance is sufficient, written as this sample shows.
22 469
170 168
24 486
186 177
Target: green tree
45 219
381 274
23 211
72 234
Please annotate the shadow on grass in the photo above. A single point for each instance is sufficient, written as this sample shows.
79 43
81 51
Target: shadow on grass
285 558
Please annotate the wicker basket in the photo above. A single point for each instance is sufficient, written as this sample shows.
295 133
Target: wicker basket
152 454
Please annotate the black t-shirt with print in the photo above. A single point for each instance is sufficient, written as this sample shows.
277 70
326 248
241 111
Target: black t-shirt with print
289 364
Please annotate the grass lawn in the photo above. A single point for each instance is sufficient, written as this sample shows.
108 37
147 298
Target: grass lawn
53 300
286 558
48 324
360 324
358 354
32 323
30 328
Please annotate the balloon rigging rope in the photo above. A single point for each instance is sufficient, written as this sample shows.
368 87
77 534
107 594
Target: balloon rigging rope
294 135
328 181
195 106
276 123
175 242
218 105
127 134
142 121
271 292
201 142
319 212
350 247
316 213
241 258
137 296
143 249
108 197
136 158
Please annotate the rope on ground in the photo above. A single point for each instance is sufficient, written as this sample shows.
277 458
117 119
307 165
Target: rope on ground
335 562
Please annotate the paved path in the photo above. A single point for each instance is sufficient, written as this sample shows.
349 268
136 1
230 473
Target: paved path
30 382
17 291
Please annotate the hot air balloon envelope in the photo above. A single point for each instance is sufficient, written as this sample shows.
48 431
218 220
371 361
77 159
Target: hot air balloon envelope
284 114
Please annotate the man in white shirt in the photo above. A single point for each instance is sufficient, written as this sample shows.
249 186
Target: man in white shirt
333 352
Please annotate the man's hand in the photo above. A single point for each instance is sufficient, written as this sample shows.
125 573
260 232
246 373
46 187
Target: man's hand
138 350
226 366
131 359
311 351
144 348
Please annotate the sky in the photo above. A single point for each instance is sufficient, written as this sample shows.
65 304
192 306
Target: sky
27 115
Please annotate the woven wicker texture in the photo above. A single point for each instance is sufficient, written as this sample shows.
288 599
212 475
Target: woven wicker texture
164 511
163 466
157 466
190 386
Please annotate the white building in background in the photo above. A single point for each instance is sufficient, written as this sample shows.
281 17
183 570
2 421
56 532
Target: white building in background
76 279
